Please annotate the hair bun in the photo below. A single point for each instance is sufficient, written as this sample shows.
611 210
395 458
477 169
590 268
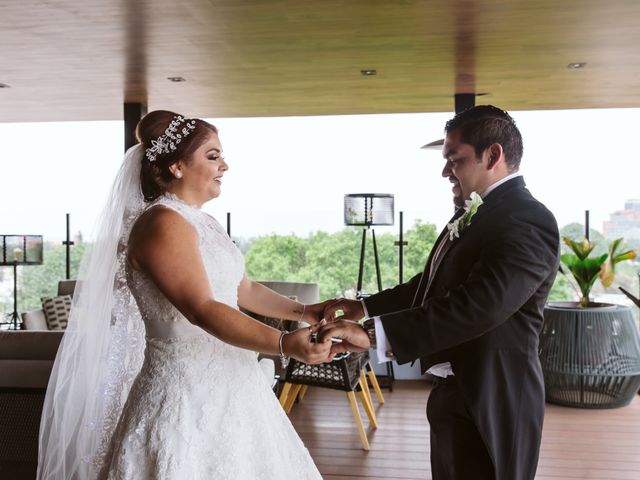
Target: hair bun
152 125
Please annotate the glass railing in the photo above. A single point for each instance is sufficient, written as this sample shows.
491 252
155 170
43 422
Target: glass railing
307 246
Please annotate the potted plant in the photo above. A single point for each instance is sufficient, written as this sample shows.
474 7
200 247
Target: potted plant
590 352
586 270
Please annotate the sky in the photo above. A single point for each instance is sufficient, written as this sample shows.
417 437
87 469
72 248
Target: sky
289 174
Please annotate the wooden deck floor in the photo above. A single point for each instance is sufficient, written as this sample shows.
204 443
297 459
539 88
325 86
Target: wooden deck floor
576 443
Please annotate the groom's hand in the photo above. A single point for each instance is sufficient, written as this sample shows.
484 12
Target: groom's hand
343 309
353 336
314 313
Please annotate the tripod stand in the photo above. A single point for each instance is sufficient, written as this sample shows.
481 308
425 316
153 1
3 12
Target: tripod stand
386 381
13 317
375 255
366 210
19 250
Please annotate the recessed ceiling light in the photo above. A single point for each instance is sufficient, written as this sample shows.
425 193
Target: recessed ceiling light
577 65
368 72
4 85
176 79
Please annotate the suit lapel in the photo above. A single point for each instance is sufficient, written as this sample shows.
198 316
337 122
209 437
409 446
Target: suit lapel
425 278
437 261
492 200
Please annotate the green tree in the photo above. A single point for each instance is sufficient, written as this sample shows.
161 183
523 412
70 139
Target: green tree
420 240
335 260
561 289
332 260
276 257
244 244
39 281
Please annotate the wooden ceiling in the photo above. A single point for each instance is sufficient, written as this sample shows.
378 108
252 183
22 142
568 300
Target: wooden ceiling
81 60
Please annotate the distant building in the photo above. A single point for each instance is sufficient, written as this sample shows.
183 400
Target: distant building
624 223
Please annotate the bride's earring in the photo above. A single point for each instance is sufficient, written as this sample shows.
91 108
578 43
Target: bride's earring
178 174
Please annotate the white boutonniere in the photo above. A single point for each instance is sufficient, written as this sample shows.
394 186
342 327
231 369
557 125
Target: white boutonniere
470 209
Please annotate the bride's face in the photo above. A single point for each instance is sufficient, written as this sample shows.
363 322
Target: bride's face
201 178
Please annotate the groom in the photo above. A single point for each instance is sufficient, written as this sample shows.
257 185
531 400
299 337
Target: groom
473 316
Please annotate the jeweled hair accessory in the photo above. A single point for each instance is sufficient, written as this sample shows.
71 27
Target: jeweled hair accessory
172 137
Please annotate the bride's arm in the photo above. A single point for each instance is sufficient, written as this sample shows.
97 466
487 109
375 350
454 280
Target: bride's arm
165 247
259 299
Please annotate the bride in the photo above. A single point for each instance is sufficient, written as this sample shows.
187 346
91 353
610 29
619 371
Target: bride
156 376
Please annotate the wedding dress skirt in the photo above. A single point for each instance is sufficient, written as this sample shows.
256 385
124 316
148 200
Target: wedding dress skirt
200 408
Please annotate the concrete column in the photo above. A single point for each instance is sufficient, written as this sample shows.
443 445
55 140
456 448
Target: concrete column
133 112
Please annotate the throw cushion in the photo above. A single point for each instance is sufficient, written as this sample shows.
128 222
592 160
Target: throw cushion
56 311
34 320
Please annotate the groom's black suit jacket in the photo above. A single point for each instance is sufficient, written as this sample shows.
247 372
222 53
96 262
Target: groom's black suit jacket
483 312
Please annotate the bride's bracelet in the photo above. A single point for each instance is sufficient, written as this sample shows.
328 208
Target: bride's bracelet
284 360
304 308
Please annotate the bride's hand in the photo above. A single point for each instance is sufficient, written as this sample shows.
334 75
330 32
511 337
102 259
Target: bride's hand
314 313
298 345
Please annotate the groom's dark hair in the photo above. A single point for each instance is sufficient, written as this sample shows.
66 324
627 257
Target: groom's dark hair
485 125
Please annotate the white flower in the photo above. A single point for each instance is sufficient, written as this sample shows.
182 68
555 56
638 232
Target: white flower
470 209
471 205
454 229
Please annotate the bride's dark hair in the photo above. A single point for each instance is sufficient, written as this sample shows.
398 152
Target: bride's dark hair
155 176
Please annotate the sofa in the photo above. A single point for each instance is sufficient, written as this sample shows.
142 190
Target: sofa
26 359
36 319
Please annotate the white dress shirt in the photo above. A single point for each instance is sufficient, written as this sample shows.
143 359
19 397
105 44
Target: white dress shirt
383 347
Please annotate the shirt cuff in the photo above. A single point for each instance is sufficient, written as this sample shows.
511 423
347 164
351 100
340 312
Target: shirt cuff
364 309
383 347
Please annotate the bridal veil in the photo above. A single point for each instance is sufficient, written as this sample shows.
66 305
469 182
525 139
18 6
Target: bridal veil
102 349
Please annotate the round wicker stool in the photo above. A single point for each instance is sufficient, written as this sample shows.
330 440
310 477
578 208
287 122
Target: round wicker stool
590 356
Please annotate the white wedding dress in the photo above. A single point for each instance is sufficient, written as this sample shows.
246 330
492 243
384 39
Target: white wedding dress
201 409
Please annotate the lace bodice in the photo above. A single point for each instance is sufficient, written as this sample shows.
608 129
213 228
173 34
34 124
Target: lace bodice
201 409
222 261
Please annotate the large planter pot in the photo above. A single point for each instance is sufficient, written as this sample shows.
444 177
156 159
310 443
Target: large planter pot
590 356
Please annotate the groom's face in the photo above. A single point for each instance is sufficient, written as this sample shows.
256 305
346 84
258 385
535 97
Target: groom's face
464 170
